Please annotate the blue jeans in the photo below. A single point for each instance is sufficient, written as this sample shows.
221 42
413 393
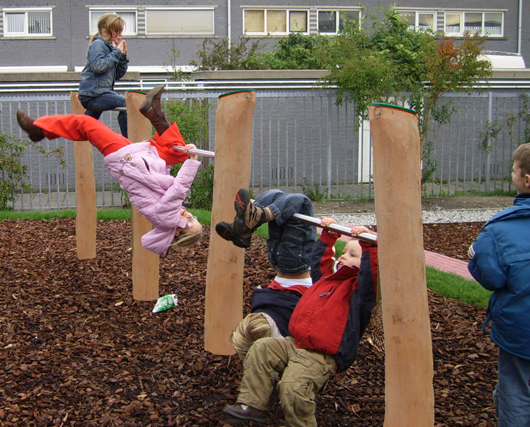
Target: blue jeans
104 102
512 394
290 241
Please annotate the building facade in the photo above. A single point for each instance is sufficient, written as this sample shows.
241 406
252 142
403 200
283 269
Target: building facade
39 35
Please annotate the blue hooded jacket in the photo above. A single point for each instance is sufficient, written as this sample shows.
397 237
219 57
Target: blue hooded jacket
500 262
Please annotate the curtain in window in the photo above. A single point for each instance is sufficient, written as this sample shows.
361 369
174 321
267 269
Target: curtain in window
452 23
39 23
426 21
254 21
128 16
298 21
179 22
493 24
15 22
473 23
276 21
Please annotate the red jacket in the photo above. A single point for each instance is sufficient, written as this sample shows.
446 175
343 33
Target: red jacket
332 314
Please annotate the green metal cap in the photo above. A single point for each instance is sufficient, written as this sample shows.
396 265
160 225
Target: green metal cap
236 91
397 107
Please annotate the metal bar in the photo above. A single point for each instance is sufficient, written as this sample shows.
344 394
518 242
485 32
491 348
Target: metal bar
372 238
299 217
195 151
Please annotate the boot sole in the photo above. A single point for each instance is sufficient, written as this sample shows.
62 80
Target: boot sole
152 94
244 417
225 231
240 205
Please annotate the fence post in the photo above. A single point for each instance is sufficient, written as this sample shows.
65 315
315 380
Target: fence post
487 177
145 264
85 181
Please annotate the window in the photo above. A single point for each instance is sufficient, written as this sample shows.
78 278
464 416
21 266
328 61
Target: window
35 22
483 23
419 20
329 24
275 21
129 16
181 21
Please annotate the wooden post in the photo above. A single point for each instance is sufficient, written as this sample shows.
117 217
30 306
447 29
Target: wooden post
145 264
409 393
85 181
224 274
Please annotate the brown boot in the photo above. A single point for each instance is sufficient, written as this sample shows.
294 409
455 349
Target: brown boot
26 123
151 109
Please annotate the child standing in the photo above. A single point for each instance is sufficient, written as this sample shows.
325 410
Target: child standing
106 62
325 327
142 169
500 262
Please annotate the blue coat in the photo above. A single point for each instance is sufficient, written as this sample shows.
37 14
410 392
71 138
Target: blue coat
104 65
501 263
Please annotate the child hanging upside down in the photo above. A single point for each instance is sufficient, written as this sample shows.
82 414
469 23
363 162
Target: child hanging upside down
142 168
325 327
289 248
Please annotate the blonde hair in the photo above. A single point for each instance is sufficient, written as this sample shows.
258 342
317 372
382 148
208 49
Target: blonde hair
253 327
522 156
111 22
186 240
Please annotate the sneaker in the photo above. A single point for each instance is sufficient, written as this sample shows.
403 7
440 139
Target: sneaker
225 231
26 123
245 412
248 217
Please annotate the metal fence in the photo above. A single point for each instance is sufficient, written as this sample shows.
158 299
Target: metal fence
302 142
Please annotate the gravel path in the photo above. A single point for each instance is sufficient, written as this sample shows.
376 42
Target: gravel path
429 217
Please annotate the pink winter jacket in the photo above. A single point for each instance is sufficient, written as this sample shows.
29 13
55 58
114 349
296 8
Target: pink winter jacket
155 193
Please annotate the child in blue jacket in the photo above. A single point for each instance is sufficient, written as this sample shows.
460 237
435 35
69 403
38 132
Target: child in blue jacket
106 62
500 262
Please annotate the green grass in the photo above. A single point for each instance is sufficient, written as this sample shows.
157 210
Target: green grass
445 284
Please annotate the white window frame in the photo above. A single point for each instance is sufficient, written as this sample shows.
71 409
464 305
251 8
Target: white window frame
127 31
148 32
25 11
337 19
462 14
287 21
417 14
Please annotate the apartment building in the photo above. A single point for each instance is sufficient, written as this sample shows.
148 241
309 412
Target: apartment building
53 36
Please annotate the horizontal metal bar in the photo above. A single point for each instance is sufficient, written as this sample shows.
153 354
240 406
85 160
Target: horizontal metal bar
341 229
299 217
195 151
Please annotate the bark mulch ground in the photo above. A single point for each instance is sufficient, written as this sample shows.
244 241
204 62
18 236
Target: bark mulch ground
77 350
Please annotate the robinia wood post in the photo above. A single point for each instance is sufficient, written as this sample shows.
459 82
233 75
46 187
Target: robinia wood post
409 392
224 274
145 264
85 182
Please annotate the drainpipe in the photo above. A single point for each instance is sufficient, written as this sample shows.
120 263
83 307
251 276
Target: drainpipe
230 23
520 28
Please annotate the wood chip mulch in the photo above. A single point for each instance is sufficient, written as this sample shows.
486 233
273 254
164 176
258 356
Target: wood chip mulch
77 350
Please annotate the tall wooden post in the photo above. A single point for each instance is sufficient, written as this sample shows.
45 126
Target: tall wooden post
409 393
145 264
85 181
224 274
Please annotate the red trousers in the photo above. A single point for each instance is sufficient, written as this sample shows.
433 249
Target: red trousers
80 127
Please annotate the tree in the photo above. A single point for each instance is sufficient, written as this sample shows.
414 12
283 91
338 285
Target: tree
388 62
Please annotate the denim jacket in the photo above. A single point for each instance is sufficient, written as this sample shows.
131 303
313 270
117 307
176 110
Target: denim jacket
105 64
